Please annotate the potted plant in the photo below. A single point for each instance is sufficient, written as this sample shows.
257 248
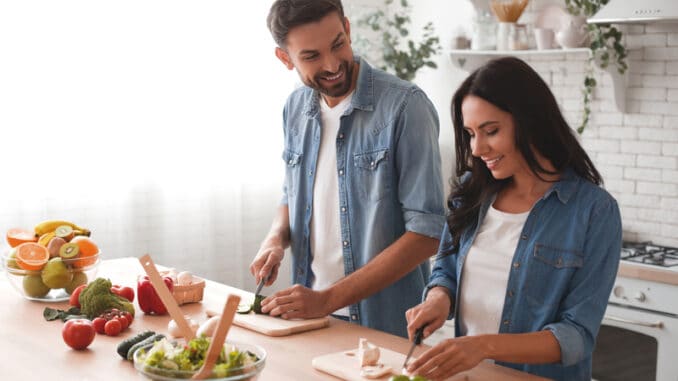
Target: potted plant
606 47
402 58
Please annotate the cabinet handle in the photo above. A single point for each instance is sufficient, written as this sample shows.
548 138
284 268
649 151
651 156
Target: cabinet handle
658 324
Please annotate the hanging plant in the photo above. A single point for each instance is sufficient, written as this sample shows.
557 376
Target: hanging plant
606 47
403 62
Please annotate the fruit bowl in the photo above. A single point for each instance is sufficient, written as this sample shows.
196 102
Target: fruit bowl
54 281
246 372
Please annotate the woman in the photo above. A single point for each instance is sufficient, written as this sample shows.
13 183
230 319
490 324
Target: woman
531 248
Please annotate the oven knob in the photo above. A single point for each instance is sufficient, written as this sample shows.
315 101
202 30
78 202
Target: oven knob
639 296
618 291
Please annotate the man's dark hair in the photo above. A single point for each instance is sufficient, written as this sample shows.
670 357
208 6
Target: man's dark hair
286 14
513 86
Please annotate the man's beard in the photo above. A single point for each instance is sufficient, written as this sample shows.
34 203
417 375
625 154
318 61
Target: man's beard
339 89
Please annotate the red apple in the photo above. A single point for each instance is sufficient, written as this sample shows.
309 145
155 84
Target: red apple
78 333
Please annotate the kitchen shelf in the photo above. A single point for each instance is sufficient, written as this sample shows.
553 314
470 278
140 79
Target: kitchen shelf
469 60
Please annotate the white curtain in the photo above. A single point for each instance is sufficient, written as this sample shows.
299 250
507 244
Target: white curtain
156 124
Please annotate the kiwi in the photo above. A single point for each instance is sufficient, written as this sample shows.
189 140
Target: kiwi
69 250
65 232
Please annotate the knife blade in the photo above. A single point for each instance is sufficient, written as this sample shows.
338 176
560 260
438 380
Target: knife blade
418 336
261 284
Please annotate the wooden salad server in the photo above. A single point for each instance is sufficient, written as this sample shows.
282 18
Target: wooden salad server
217 342
166 297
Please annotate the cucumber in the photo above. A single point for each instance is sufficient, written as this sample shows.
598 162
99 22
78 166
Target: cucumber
125 345
149 340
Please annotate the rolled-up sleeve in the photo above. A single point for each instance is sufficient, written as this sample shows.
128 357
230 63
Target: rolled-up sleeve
583 308
420 185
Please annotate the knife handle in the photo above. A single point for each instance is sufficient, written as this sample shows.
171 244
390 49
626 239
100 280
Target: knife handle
419 335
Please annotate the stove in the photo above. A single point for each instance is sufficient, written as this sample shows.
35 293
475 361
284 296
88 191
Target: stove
649 254
638 339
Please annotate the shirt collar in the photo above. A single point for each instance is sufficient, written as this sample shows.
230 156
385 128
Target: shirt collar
565 187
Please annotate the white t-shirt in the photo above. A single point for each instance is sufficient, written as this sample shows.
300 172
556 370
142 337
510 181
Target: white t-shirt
486 270
328 260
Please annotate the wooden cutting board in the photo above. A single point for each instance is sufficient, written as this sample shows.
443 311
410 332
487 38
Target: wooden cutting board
273 326
345 365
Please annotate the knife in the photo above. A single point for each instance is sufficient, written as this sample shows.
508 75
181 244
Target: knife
418 336
261 284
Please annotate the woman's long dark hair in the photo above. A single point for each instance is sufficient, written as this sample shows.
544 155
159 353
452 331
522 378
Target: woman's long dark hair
514 87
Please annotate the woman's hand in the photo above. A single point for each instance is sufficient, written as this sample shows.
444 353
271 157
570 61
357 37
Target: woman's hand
432 313
449 357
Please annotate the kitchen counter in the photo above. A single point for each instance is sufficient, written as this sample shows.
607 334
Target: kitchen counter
32 348
667 275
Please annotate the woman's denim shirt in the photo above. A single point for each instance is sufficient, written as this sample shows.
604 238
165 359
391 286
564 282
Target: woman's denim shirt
561 276
389 177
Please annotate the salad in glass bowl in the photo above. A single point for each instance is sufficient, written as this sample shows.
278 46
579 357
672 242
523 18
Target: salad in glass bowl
172 360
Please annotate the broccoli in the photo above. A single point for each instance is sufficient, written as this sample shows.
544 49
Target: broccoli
97 298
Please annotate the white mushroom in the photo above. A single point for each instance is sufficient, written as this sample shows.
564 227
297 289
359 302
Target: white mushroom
375 371
368 353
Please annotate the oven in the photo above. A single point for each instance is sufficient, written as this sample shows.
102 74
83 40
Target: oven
639 337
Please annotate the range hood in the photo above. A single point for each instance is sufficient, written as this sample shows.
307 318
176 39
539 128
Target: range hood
633 11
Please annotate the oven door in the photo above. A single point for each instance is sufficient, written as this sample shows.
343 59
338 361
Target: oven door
636 345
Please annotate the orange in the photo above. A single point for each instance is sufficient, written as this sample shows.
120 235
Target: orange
17 236
31 256
88 251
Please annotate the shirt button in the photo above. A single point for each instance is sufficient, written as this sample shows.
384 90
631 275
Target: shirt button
506 322
516 265
510 294
310 173
341 136
354 317
345 243
343 209
289 162
523 237
371 164
341 171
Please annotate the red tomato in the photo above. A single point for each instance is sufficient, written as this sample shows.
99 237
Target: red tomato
78 333
99 324
125 292
128 316
123 322
73 300
113 327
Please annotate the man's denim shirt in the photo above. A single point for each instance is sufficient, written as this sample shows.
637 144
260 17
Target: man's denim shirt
561 276
388 168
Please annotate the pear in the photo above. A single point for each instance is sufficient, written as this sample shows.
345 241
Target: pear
56 274
34 287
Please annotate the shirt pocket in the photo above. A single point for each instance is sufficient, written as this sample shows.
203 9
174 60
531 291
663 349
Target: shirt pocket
550 272
292 171
372 174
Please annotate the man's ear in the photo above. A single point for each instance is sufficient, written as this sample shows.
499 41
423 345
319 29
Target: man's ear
347 28
284 58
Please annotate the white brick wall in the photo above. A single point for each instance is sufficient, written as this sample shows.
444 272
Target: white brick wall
636 151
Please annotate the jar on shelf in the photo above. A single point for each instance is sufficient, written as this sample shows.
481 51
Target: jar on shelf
517 37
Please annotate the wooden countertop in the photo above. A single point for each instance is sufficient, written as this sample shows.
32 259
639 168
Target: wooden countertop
646 272
32 348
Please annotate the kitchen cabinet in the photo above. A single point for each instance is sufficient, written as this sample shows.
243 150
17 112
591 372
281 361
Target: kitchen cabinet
32 348
469 60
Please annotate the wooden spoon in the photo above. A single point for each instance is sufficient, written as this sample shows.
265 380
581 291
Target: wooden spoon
166 297
218 337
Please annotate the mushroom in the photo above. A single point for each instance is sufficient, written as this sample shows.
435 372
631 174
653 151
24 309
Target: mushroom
368 353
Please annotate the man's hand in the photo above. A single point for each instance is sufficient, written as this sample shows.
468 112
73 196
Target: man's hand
267 262
296 302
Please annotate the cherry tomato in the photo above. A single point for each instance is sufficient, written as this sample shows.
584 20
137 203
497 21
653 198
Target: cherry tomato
78 333
123 322
128 316
113 327
73 300
99 324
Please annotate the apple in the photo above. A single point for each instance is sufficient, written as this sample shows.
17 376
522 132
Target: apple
78 333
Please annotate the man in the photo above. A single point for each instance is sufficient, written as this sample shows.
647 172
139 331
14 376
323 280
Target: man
363 198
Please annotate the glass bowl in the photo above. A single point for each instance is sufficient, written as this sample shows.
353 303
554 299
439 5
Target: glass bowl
245 373
31 283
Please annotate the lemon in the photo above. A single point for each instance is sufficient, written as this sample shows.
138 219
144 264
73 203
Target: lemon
56 274
33 286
